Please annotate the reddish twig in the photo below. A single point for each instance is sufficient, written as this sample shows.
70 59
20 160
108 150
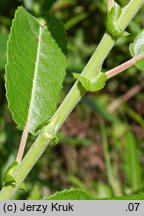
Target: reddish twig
123 66
22 144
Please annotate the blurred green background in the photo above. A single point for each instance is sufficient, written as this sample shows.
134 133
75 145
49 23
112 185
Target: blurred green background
101 147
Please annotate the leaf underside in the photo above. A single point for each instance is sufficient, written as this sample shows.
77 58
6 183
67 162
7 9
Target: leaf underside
34 73
137 48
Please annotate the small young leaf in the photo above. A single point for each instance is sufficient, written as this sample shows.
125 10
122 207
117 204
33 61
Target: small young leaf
137 48
35 71
92 85
8 178
112 22
23 187
72 194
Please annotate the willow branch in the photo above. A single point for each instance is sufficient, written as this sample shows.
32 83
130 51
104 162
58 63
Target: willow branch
69 103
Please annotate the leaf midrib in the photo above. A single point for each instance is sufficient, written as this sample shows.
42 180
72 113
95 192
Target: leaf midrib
34 85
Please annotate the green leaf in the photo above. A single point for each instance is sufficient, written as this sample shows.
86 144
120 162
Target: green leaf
3 47
132 163
8 178
92 85
72 194
137 48
112 22
57 31
35 71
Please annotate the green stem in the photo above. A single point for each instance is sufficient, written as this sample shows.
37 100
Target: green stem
69 103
